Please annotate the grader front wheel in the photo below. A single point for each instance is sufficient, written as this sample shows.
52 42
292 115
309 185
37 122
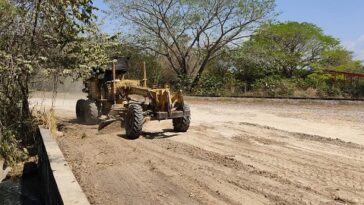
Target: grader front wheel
134 121
182 124
80 110
91 112
86 112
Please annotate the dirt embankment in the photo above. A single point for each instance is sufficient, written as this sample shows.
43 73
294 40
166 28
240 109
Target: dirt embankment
234 153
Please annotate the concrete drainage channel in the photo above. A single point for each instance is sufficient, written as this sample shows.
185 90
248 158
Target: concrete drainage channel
49 182
59 184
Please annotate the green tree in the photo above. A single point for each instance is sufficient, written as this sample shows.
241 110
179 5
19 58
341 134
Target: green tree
42 36
189 34
284 49
340 60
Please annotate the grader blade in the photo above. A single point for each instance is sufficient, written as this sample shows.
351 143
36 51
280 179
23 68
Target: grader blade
105 123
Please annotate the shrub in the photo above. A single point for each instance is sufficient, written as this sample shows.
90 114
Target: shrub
275 86
210 85
9 149
355 89
183 82
325 85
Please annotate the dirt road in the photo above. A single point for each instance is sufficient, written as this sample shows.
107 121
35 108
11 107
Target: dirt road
241 152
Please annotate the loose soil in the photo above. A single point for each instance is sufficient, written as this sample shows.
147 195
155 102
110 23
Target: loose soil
235 152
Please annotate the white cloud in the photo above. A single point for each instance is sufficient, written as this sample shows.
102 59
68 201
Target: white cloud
361 39
357 47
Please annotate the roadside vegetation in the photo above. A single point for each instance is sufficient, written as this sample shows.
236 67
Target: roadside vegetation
39 40
207 48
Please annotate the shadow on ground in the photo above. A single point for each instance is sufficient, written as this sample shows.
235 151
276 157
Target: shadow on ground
165 133
25 190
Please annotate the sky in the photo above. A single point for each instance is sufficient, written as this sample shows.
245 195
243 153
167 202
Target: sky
342 19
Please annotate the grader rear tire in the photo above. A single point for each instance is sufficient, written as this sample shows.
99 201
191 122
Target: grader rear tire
134 121
80 110
91 112
182 124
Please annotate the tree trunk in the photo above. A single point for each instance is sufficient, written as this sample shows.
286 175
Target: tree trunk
199 74
195 82
25 111
54 90
25 97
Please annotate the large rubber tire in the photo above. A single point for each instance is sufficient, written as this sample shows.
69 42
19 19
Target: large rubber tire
80 110
134 121
182 124
91 112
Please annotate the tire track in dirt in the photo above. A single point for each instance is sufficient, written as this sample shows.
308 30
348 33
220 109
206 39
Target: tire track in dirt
308 167
207 177
218 161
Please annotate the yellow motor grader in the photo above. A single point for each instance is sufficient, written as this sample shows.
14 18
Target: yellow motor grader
112 98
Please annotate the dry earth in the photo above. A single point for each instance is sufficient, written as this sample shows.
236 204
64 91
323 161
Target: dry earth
236 152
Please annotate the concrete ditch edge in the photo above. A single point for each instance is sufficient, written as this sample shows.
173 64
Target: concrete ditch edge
59 184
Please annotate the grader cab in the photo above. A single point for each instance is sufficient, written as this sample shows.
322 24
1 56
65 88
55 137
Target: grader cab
112 98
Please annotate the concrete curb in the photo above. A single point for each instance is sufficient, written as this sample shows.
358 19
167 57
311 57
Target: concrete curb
59 183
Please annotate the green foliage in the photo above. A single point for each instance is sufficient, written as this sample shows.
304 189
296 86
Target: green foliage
53 38
275 86
338 59
330 91
210 85
9 148
328 86
189 34
10 100
283 58
78 58
318 78
46 37
315 85
285 49
182 82
356 89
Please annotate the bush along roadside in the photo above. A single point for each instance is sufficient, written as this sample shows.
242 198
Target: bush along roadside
312 86
15 143
10 149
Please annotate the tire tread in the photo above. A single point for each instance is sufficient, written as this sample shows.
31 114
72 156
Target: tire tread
182 124
133 132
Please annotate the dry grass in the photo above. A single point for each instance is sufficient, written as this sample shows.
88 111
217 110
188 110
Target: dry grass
310 92
47 119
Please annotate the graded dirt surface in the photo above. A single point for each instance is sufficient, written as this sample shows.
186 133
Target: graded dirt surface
235 152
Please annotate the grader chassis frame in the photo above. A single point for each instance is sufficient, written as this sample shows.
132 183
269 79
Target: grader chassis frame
111 100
